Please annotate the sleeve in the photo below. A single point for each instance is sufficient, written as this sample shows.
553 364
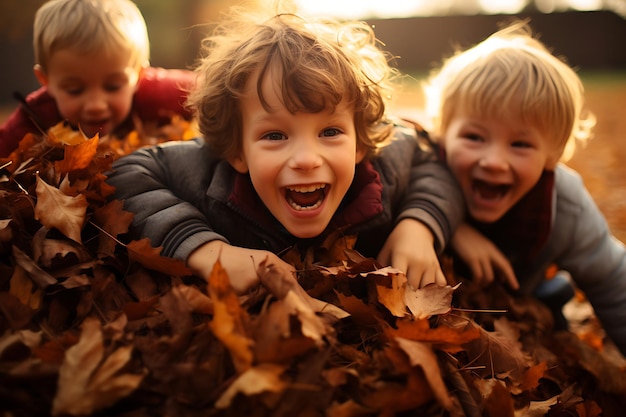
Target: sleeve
431 195
164 196
596 261
42 109
162 93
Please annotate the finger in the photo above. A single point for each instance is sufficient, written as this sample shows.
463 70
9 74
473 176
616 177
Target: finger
383 257
488 274
440 278
508 275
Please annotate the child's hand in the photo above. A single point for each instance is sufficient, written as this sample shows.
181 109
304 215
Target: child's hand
410 248
482 257
240 263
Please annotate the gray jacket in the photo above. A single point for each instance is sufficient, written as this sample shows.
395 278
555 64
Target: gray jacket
581 243
183 196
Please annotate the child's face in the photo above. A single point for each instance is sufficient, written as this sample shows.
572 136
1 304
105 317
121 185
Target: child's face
301 165
496 162
94 91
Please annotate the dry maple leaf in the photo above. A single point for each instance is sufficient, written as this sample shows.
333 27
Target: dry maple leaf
422 355
86 382
56 210
259 379
142 252
113 220
230 321
429 301
77 157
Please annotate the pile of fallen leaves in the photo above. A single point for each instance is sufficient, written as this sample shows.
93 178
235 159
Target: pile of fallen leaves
90 325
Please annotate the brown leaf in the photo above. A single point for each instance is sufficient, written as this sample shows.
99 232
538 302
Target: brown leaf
430 300
143 253
57 210
113 221
284 286
422 355
259 379
41 277
24 289
86 383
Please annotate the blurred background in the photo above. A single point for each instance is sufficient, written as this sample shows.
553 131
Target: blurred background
589 34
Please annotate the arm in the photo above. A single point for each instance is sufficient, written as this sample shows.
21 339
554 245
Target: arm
162 93
595 259
41 109
164 187
429 204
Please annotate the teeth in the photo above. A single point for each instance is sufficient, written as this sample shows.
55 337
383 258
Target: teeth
298 207
306 188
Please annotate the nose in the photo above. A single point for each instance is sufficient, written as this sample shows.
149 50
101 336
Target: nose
494 158
96 101
305 154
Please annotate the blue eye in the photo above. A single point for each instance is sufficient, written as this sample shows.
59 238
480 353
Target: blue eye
274 136
330 132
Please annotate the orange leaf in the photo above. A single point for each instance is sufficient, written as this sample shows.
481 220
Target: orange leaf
62 133
55 209
143 253
78 156
229 319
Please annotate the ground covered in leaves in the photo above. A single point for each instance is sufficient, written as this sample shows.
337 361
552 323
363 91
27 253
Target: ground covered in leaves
93 326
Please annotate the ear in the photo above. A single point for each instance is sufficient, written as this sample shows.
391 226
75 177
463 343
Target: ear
553 159
140 75
360 154
239 163
40 74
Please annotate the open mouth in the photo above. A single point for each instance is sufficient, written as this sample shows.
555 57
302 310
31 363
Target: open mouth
488 191
305 197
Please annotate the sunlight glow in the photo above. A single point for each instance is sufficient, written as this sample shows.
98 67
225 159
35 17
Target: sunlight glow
365 9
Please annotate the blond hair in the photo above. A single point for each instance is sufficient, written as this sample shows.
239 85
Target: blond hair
320 63
511 73
88 26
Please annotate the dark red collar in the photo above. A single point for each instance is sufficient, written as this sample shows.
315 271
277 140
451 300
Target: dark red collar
362 201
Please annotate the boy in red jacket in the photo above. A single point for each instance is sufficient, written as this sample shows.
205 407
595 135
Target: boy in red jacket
92 60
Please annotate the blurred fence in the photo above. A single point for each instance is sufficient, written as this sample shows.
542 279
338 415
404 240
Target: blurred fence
589 40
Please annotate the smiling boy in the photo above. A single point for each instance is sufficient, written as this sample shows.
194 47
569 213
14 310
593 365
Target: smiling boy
92 61
296 145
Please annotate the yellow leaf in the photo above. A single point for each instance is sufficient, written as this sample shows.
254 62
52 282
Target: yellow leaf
262 378
62 133
57 210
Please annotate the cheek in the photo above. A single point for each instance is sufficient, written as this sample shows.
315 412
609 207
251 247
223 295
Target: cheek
69 107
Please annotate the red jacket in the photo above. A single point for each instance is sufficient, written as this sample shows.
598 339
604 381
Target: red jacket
161 93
